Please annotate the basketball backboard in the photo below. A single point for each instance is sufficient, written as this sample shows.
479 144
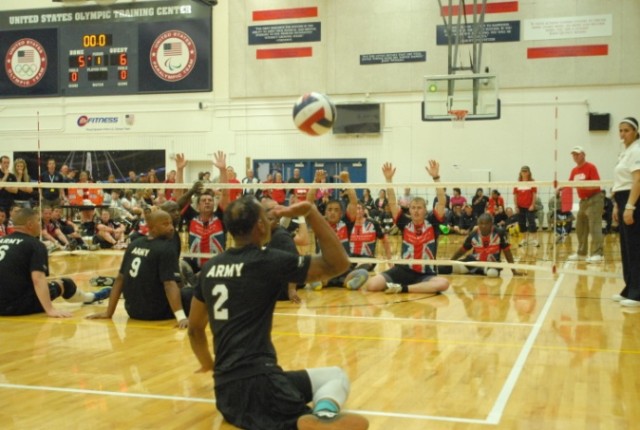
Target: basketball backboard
446 95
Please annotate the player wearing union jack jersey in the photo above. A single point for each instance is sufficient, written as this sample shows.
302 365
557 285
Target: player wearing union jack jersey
484 243
419 242
207 233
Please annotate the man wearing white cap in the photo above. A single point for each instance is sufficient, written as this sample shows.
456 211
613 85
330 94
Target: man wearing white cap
589 219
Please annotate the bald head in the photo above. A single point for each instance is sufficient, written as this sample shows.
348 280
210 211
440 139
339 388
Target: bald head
160 224
22 216
172 209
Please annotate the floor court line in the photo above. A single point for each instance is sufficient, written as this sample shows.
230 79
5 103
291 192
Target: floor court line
495 415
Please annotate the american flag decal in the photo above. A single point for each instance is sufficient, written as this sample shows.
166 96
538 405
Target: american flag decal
172 49
26 56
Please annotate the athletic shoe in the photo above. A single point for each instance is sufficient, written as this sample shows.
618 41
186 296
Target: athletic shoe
100 295
332 421
393 288
102 281
315 286
630 303
534 243
576 257
492 272
595 259
359 277
618 298
523 243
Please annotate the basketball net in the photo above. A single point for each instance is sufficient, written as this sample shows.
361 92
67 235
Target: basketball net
458 117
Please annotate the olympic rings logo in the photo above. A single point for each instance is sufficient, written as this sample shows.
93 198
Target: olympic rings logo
25 70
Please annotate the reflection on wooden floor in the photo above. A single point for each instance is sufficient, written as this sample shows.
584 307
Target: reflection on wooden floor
539 351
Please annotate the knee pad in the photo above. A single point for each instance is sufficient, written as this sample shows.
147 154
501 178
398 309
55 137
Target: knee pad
54 290
70 288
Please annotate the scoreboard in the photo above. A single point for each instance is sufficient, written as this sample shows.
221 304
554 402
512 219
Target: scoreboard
154 47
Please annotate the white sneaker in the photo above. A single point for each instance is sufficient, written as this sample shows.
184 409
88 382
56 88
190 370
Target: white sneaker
315 286
630 303
576 257
534 243
595 259
618 298
523 243
393 288
492 272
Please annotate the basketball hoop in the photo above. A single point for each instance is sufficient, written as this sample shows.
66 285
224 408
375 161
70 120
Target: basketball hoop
458 116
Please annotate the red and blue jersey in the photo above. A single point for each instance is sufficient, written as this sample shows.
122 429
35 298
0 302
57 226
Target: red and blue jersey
419 241
486 248
363 239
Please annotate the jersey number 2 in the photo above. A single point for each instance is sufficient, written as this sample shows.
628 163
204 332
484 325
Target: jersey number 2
221 294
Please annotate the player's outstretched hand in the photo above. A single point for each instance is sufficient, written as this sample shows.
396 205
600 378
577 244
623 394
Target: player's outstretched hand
433 168
220 160
181 161
57 313
98 316
182 324
388 171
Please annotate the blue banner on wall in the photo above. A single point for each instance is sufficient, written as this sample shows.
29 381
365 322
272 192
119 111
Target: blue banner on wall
394 57
284 33
504 31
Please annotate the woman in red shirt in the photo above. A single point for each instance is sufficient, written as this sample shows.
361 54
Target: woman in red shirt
525 203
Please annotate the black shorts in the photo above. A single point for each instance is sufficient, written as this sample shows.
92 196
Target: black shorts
29 303
401 274
271 401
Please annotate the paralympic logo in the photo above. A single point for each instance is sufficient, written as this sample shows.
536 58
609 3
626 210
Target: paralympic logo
173 55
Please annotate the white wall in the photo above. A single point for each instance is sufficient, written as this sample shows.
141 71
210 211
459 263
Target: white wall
242 118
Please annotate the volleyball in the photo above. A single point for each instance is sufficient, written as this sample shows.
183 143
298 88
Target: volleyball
314 114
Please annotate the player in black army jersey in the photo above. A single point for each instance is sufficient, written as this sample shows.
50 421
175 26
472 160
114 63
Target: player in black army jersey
24 288
485 242
237 294
420 232
148 277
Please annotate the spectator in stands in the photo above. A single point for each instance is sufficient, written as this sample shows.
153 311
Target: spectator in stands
369 203
171 179
457 199
495 200
295 179
467 222
234 193
133 177
7 193
381 202
251 179
479 202
500 218
24 196
109 233
279 194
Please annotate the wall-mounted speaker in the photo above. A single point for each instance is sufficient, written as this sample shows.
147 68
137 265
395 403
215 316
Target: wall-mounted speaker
599 121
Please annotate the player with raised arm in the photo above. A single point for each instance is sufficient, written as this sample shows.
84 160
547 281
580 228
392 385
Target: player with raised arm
419 242
236 295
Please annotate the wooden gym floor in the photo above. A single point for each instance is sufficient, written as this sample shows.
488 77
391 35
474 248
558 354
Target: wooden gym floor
541 351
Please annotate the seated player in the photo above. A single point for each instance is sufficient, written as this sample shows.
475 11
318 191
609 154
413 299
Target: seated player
485 242
419 232
68 228
24 266
109 233
52 236
148 277
236 296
